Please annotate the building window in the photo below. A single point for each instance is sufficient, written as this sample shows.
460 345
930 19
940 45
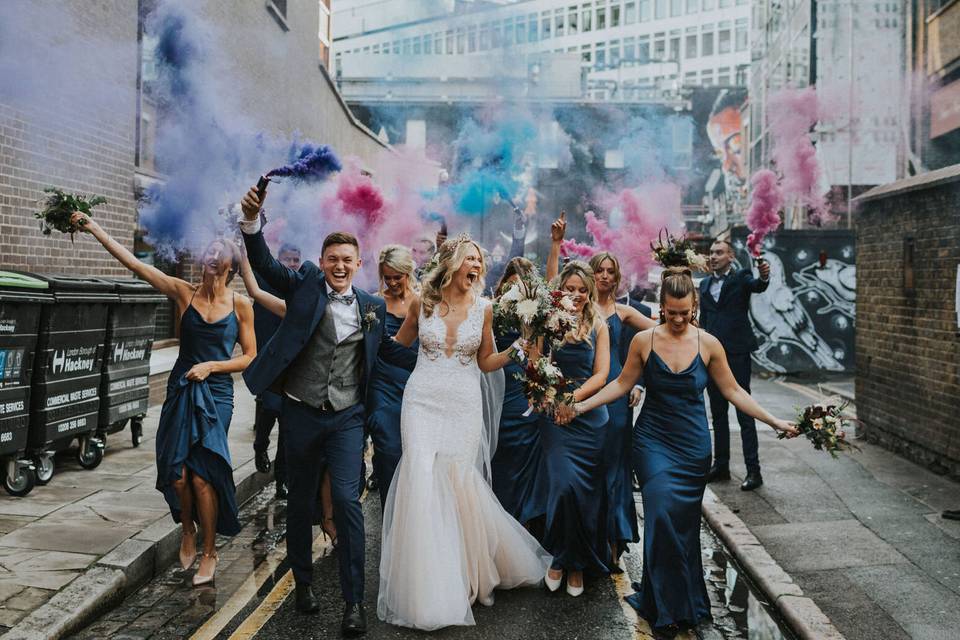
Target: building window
659 47
461 41
630 13
723 76
643 49
278 9
691 45
630 49
484 37
449 39
674 46
396 48
706 77
723 5
532 27
376 49
614 53
558 22
643 10
545 25
615 15
508 32
708 5
471 39
572 21
659 9
585 56
601 17
741 37
417 47
693 6
495 36
428 44
676 8
587 17
601 55
706 41
723 38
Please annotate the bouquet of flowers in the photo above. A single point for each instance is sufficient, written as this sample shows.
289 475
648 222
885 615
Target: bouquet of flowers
59 206
544 385
824 426
534 310
671 251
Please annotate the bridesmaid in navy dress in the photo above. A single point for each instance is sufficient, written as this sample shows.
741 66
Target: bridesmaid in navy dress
671 451
575 533
621 511
194 471
517 465
394 364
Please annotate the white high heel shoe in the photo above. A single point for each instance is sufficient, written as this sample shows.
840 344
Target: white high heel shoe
553 584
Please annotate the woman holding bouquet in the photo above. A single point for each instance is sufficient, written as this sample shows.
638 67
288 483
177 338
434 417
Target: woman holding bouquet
517 465
575 532
671 450
621 511
193 461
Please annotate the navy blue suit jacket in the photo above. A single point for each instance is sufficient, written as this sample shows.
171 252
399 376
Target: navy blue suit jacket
726 318
306 297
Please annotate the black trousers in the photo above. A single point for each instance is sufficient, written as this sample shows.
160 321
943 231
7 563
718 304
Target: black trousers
267 412
740 365
336 438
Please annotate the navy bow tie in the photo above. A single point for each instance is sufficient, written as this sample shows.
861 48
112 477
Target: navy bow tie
345 298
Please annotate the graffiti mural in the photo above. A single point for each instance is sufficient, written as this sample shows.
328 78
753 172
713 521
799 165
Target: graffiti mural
805 321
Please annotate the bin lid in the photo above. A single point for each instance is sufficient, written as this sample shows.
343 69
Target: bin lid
20 287
133 290
76 288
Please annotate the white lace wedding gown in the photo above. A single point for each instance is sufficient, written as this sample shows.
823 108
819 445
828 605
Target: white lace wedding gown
447 542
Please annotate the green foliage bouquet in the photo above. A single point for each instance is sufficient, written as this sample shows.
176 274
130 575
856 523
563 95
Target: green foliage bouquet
59 205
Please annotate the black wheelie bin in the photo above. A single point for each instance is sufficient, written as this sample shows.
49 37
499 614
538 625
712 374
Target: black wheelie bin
21 299
65 394
125 385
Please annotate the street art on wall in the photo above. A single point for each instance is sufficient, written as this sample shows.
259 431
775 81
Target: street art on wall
724 132
805 320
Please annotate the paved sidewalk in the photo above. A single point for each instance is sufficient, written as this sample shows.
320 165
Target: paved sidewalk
94 523
861 535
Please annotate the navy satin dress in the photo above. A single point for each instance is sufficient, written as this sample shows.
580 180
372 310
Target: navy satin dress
575 531
671 456
196 417
519 481
621 512
394 364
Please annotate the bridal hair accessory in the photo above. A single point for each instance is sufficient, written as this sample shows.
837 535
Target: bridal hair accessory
454 245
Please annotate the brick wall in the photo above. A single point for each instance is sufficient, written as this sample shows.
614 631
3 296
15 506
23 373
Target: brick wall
68 121
908 342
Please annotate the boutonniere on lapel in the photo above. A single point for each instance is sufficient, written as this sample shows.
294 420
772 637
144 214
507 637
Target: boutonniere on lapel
370 319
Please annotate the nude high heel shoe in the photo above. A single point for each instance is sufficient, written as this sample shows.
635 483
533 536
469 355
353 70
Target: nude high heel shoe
200 579
572 590
186 558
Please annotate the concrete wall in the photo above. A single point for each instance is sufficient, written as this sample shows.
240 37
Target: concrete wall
908 334
804 321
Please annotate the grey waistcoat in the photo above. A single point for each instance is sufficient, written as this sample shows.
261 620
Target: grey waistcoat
327 371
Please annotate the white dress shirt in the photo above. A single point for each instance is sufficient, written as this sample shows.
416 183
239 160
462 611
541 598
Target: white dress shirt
346 317
716 284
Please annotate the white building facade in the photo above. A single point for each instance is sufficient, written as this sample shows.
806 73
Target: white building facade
624 48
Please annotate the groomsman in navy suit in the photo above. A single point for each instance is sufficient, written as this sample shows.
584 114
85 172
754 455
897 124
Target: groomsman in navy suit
724 303
320 360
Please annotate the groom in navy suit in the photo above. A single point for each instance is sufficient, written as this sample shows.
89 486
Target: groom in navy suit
724 302
320 360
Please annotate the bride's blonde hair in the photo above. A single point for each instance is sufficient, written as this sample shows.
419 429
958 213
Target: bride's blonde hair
442 268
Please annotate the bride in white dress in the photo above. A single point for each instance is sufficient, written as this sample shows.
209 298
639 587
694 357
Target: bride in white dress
447 542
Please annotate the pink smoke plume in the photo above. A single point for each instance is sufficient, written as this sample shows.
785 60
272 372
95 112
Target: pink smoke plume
763 216
643 212
793 113
576 250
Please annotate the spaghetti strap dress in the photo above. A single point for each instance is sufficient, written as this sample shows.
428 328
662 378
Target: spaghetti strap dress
196 417
671 457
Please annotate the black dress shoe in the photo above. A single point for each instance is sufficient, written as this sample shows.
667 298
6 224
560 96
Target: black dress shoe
281 491
753 481
372 483
718 474
262 459
306 601
354 621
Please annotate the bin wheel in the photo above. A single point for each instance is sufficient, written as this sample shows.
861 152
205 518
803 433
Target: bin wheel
44 466
136 431
89 455
22 483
